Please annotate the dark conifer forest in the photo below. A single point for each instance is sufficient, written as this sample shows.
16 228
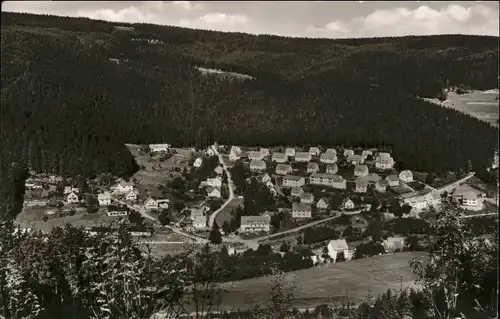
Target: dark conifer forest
67 109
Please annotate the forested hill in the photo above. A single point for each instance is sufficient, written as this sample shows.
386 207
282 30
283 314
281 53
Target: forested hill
67 108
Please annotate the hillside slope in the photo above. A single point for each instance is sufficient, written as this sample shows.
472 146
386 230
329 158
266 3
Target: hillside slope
67 108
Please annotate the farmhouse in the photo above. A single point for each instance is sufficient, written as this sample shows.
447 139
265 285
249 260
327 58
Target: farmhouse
264 151
323 203
348 152
312 168
302 157
393 180
381 186
279 158
307 198
214 182
289 151
117 211
355 159
328 158
348 204
197 163
283 169
384 161
218 170
293 181
131 196
468 197
296 191
255 155
335 247
406 176
361 185
335 181
361 170
200 222
213 192
301 210
104 199
332 169
72 198
150 204
314 151
257 165
156 148
251 224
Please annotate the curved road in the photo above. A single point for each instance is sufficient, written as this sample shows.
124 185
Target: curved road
212 217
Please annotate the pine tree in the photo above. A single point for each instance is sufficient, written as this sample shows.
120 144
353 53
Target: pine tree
215 236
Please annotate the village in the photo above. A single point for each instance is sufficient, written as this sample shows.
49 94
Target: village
308 187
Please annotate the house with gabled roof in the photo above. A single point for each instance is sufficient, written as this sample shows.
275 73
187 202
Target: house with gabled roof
302 157
72 198
255 155
328 158
393 180
264 151
381 186
312 167
331 151
365 153
293 181
213 192
296 191
361 185
279 157
157 148
384 161
361 170
348 204
332 180
348 152
332 168
323 203
219 170
235 153
252 224
290 151
283 169
301 210
257 165
214 182
314 151
406 176
104 199
132 195
337 246
197 162
150 204
124 187
355 159
307 198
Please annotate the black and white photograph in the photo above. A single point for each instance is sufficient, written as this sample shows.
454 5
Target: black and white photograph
249 159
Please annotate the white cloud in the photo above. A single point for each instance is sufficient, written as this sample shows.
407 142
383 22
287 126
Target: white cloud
187 5
130 14
218 21
452 19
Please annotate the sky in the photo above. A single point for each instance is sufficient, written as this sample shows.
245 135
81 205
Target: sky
350 19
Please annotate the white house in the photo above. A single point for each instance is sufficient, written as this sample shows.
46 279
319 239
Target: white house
200 222
219 170
213 192
302 157
332 169
328 158
337 246
235 149
301 210
163 203
314 151
468 197
124 187
312 167
255 155
361 170
289 151
214 182
197 163
393 180
104 199
150 204
361 185
348 152
296 191
196 212
392 244
406 176
323 203
365 153
264 152
307 198
159 147
257 165
355 159
419 200
293 181
279 158
381 186
67 190
72 198
131 196
235 153
384 161
283 169
348 204
335 181
116 211
252 224
331 151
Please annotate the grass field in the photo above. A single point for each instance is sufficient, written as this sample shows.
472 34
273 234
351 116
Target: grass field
354 280
226 213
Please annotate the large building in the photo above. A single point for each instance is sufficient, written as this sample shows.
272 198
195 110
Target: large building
252 224
301 210
293 181
335 181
